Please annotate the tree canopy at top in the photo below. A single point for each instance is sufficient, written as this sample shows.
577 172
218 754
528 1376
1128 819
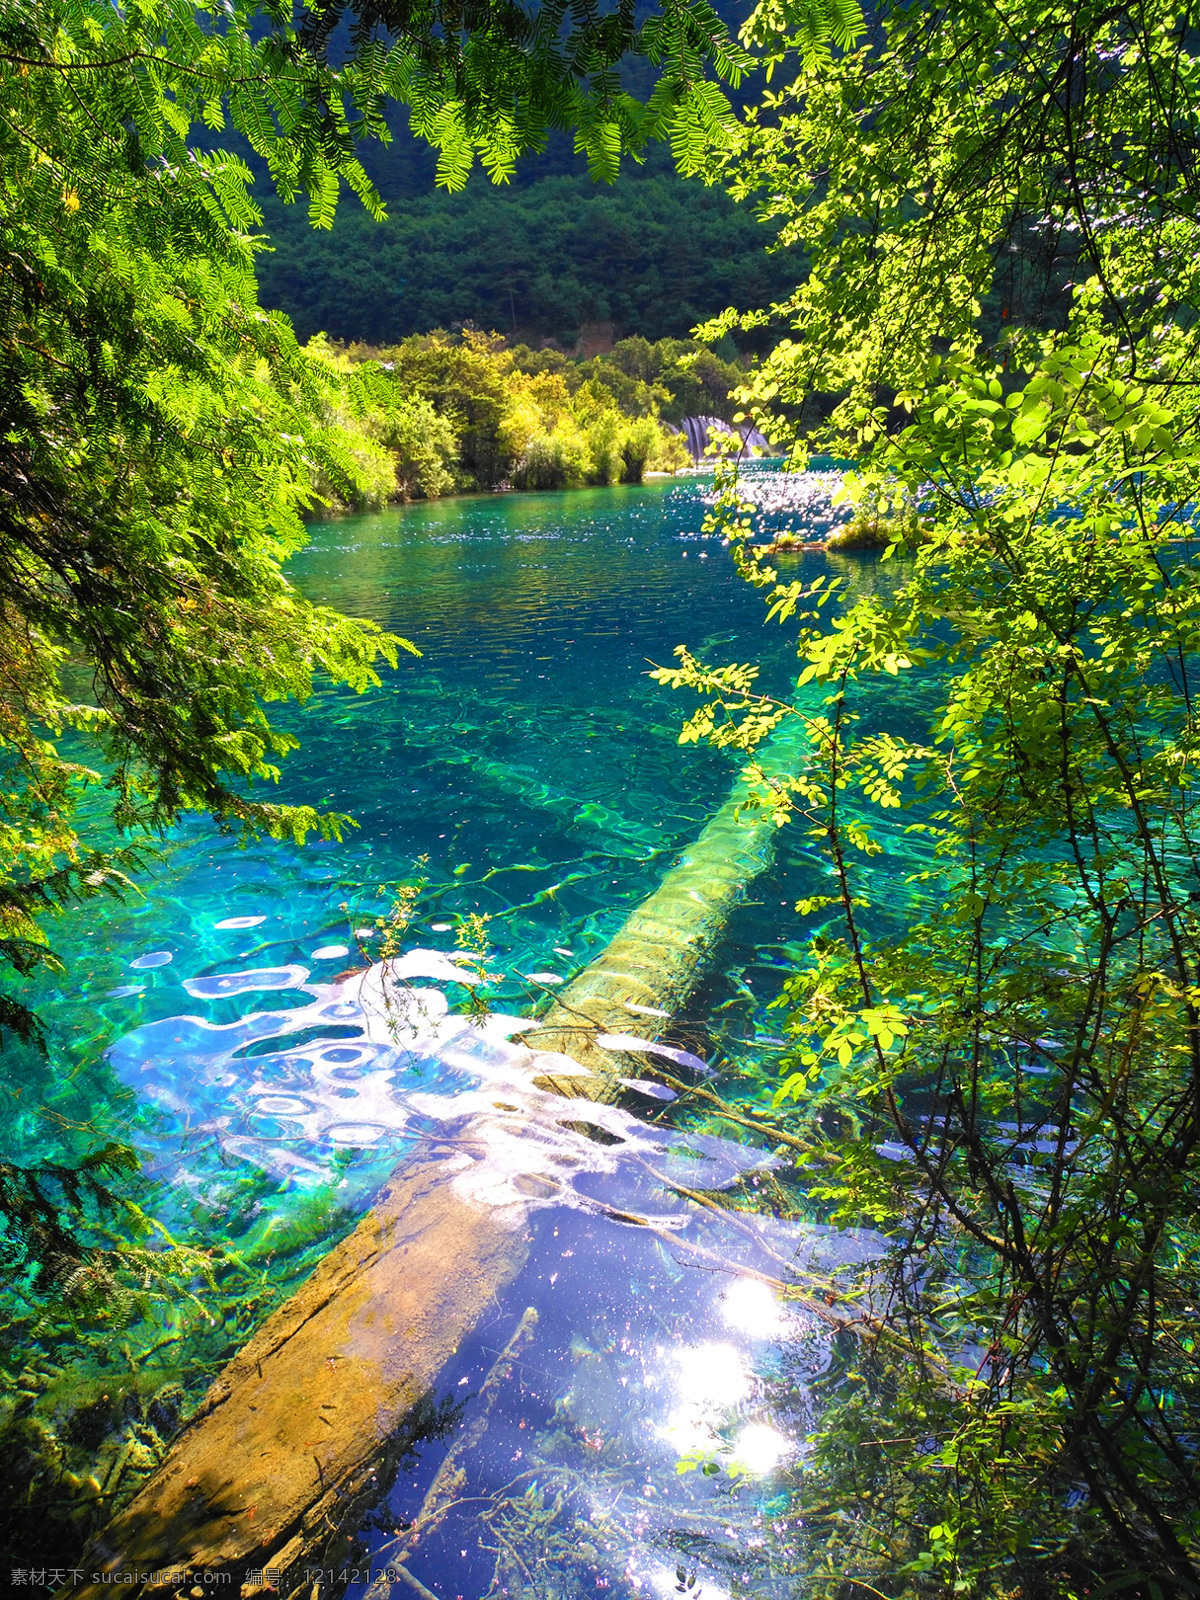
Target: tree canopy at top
485 79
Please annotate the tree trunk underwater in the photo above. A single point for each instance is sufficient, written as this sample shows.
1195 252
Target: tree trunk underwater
303 1429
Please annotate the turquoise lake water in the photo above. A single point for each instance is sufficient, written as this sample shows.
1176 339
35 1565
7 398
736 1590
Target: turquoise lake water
525 767
526 755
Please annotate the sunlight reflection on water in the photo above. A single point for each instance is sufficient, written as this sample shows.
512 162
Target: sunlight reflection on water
668 1382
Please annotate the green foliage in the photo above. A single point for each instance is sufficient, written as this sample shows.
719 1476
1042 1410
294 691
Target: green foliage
508 414
483 81
550 461
671 378
163 435
465 382
1014 1033
863 533
471 937
640 445
403 447
489 79
605 437
101 1361
150 74
698 381
55 1238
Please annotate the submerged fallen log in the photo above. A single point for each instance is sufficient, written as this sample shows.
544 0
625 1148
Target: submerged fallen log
300 1433
651 964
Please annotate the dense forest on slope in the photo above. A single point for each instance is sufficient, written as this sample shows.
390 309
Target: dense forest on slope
654 254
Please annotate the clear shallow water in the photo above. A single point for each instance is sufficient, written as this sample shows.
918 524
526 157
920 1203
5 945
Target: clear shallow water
526 768
526 755
656 1351
656 1337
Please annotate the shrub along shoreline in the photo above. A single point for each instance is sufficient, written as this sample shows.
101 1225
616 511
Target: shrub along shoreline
467 412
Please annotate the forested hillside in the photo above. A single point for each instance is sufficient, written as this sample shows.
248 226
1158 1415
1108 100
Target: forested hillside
654 253
538 258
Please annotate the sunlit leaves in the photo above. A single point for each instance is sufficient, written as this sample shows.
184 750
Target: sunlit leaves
485 81
1032 1138
810 27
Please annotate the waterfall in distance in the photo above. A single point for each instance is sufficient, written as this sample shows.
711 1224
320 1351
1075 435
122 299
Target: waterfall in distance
695 430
